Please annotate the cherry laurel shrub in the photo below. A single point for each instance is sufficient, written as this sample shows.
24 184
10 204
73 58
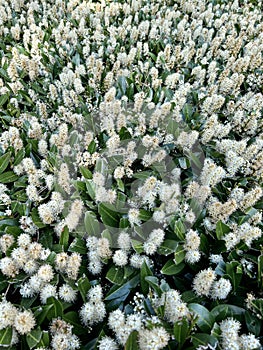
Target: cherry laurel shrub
131 168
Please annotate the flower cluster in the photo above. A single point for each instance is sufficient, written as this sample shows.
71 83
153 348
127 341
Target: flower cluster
131 177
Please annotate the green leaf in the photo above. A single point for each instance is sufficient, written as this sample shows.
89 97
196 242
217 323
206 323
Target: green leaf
145 271
154 283
28 302
168 246
3 285
260 271
132 342
92 225
85 172
249 213
205 319
64 237
257 305
124 222
179 229
6 336
8 222
143 175
78 246
137 246
4 161
203 339
56 310
7 177
170 268
73 318
36 219
4 74
253 323
108 215
190 297
90 188
194 159
33 338
44 341
179 254
41 313
221 230
115 275
81 186
222 311
120 293
92 147
234 271
120 185
181 332
144 215
3 99
187 111
83 287
122 84
101 166
216 331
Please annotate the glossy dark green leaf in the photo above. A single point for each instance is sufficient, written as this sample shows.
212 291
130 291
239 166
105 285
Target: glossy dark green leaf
85 172
56 310
72 317
92 225
190 297
221 230
181 332
154 283
132 342
205 319
254 324
144 272
36 219
44 341
41 313
257 305
64 237
3 99
7 177
109 216
121 292
33 338
92 147
137 246
90 188
260 271
168 246
4 161
170 268
234 271
144 215
179 230
83 287
143 175
120 185
222 311
179 254
115 275
203 339
6 336
78 245
216 331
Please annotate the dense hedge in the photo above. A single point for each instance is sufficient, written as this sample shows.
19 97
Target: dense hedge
131 167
